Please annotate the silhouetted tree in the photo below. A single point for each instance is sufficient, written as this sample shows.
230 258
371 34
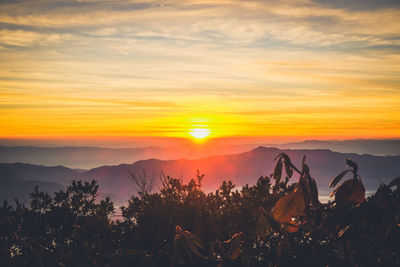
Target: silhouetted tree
271 223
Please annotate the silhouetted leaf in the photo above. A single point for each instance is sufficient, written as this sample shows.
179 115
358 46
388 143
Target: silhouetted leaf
313 191
189 242
289 170
350 192
262 226
341 232
234 248
194 240
358 194
278 156
303 161
333 192
288 165
291 228
278 171
289 206
352 164
337 179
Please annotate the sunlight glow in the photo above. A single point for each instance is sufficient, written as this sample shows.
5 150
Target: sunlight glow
288 75
199 133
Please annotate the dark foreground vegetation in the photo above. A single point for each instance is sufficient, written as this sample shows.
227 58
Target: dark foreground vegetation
272 223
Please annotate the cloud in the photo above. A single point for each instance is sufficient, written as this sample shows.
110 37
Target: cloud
28 38
356 5
192 57
221 23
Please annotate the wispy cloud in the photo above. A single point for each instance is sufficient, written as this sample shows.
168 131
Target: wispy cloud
111 64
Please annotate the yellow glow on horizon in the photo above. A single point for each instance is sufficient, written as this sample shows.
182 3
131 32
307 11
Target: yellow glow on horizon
199 133
140 73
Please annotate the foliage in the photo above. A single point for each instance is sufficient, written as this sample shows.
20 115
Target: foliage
272 223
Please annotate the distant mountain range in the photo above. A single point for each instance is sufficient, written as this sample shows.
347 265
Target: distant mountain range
90 157
17 180
383 147
244 168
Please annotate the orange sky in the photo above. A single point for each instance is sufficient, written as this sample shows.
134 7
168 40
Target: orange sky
280 69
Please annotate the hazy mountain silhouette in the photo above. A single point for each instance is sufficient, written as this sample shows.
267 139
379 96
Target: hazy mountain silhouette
363 146
26 172
90 157
17 180
243 168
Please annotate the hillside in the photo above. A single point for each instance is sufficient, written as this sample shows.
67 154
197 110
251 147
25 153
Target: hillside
243 168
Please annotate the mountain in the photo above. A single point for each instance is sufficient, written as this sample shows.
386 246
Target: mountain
28 172
17 180
243 168
377 147
90 157
247 167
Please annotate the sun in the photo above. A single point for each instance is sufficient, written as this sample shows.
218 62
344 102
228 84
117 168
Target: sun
199 133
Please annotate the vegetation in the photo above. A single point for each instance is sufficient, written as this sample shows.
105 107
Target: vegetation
272 223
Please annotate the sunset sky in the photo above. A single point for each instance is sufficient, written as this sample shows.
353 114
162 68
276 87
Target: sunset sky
308 69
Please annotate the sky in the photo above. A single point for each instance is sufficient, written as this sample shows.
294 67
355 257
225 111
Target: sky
123 69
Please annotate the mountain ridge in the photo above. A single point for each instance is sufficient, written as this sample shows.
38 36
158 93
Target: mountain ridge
87 157
242 168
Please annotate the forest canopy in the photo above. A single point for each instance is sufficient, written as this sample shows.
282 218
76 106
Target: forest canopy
276 222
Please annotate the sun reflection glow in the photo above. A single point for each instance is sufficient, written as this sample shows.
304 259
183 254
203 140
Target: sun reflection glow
199 133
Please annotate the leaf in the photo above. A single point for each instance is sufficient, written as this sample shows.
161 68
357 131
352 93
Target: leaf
350 192
333 192
291 228
193 243
305 169
341 232
289 206
352 164
278 171
395 182
235 245
194 239
266 223
278 157
286 158
189 242
262 227
288 165
337 179
358 194
309 189
313 191
289 170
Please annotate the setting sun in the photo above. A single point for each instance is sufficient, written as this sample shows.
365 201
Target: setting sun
199 133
